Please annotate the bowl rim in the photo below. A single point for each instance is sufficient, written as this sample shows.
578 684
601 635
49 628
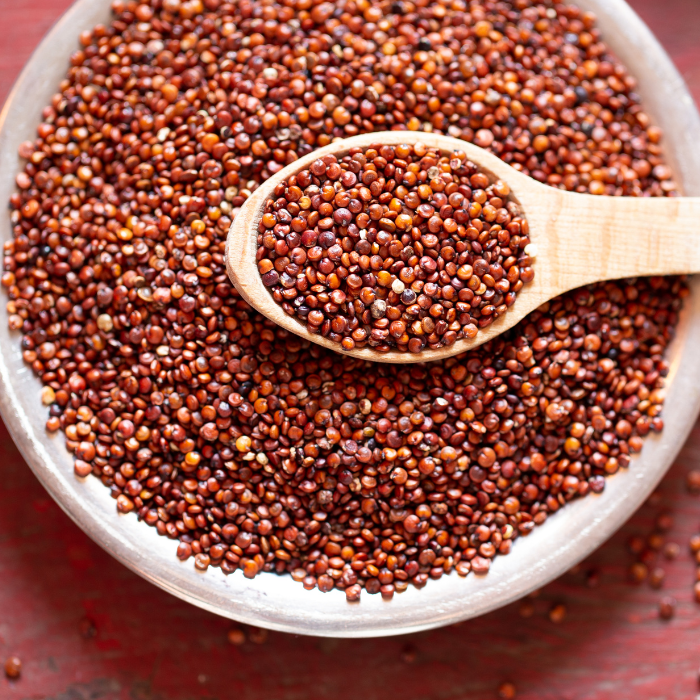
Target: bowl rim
276 602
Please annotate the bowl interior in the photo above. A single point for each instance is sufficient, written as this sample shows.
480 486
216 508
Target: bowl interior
277 602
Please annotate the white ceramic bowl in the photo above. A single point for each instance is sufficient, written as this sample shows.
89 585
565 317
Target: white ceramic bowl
277 602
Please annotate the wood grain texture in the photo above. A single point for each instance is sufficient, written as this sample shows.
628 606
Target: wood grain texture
580 239
54 582
583 238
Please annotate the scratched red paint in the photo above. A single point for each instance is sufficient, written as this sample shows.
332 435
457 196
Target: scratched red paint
55 583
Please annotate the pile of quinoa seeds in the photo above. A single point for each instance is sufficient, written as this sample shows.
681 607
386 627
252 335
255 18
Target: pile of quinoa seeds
393 247
259 451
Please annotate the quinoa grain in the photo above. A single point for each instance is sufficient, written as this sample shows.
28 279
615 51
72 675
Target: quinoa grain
13 667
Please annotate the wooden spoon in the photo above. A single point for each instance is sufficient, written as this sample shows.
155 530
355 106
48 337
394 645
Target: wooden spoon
579 239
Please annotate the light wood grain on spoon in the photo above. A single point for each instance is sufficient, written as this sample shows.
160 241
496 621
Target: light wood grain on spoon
579 239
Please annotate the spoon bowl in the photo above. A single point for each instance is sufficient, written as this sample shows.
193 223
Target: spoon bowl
578 239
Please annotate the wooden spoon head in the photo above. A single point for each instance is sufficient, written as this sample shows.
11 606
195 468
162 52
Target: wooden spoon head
241 244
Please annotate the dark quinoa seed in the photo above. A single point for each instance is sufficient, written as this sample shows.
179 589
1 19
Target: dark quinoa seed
13 667
507 691
393 247
667 607
258 451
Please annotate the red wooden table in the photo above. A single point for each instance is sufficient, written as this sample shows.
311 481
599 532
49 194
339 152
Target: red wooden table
87 628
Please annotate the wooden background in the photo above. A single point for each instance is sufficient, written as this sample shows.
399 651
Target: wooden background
86 628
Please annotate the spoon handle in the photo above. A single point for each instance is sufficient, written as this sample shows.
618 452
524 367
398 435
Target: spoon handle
588 238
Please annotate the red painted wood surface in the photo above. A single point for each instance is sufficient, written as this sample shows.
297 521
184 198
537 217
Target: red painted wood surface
86 628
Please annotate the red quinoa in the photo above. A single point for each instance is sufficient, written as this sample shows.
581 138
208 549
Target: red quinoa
394 247
255 449
13 667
